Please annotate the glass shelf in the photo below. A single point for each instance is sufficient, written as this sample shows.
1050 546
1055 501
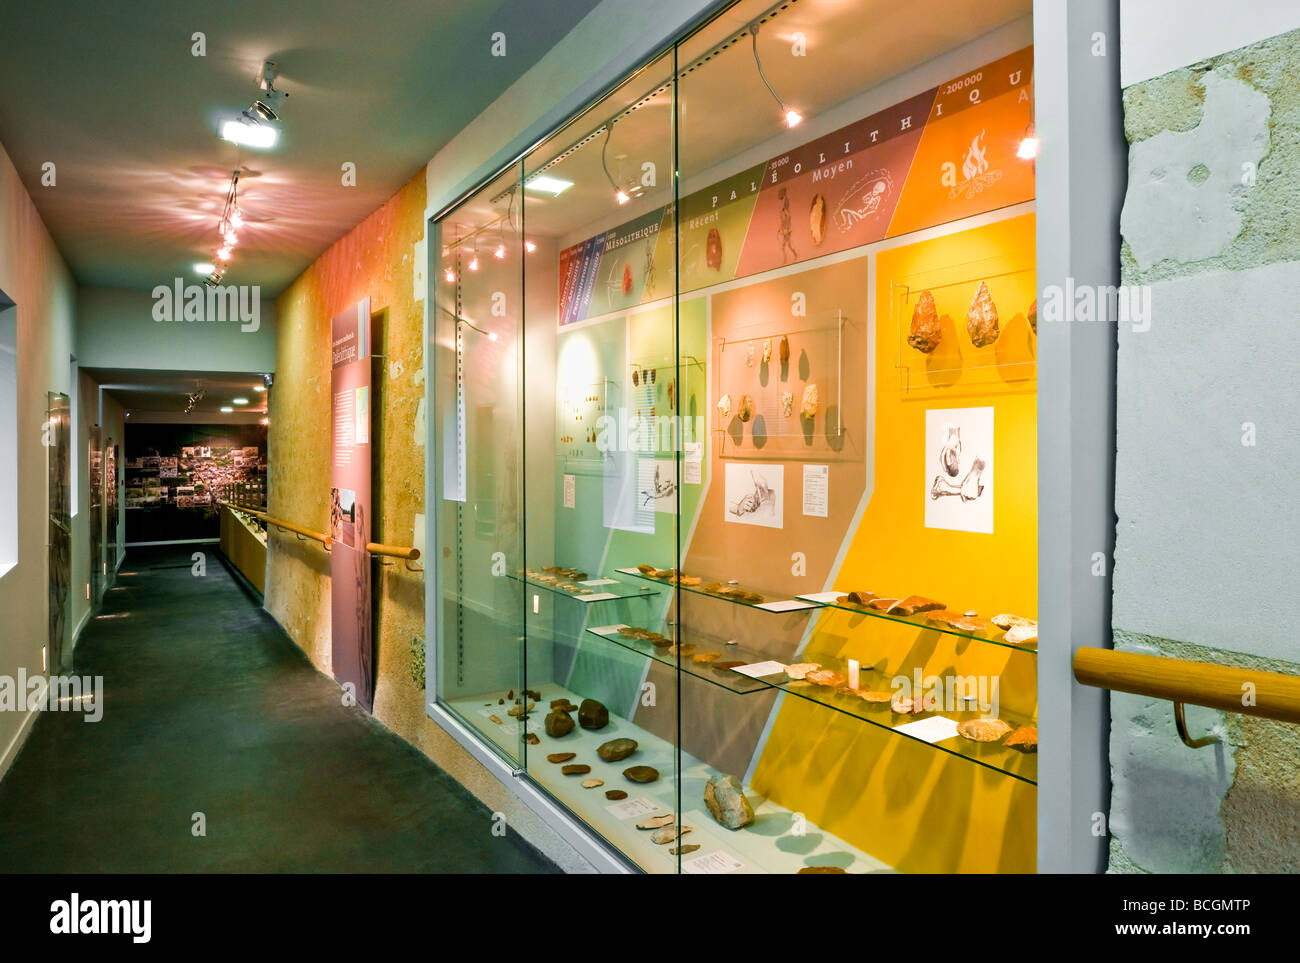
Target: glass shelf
992 755
698 644
741 594
587 590
920 621
745 595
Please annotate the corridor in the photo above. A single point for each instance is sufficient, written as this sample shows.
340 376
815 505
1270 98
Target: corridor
208 707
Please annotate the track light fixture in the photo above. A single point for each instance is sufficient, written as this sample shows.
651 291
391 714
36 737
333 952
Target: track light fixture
620 195
792 117
255 126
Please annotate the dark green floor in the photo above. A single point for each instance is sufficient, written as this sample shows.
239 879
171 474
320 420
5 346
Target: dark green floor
209 707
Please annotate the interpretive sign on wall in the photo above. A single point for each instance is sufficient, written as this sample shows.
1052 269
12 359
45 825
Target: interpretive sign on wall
350 502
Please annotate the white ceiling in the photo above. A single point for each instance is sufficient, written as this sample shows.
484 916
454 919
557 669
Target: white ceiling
110 93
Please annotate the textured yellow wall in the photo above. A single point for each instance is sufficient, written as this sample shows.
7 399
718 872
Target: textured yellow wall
376 259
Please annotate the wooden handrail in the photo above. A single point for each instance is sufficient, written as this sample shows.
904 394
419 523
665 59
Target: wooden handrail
1271 695
393 551
283 525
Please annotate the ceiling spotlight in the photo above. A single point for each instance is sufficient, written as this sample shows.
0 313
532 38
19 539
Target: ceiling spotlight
249 132
202 267
266 421
213 279
267 107
259 388
224 252
239 401
620 195
499 252
530 246
449 276
226 409
236 219
1028 148
792 116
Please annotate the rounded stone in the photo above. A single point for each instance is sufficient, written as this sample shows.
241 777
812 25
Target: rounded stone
641 773
592 715
558 724
616 749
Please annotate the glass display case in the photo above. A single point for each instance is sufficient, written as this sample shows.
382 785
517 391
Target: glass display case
723 370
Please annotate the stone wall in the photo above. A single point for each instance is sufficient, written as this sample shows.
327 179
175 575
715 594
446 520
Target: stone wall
1208 444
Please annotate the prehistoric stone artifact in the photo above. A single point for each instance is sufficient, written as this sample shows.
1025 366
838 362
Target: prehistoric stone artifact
521 710
955 620
1024 739
767 351
627 279
811 402
874 695
727 665
592 783
564 705
1024 634
907 707
724 405
857 598
784 351
982 318
787 403
558 724
683 850
817 219
532 739
913 604
592 715
668 834
820 870
801 669
497 719
746 410
706 657
925 331
641 773
881 604
615 794
616 749
726 800
558 757
983 730
713 249
575 769
826 677
656 822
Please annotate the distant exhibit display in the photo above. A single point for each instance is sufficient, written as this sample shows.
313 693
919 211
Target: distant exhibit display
176 475
723 565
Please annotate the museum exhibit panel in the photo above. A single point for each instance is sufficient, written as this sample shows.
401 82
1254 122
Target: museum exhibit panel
736 462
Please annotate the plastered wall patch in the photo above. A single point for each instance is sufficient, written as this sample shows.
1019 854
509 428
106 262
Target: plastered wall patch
1185 186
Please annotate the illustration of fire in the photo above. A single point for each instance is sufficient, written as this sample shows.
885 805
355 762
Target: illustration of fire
975 170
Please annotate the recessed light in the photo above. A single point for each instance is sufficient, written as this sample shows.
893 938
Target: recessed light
239 401
551 185
259 387
226 409
203 267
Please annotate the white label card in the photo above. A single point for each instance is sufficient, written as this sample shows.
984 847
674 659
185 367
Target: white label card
711 864
630 808
756 670
608 629
596 597
591 583
934 729
816 490
785 605
570 491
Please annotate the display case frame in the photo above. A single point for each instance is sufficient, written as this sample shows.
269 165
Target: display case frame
809 603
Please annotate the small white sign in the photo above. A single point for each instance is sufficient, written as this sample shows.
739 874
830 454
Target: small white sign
756 670
596 597
785 605
712 864
592 583
570 491
816 490
826 598
934 729
631 808
693 464
608 629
